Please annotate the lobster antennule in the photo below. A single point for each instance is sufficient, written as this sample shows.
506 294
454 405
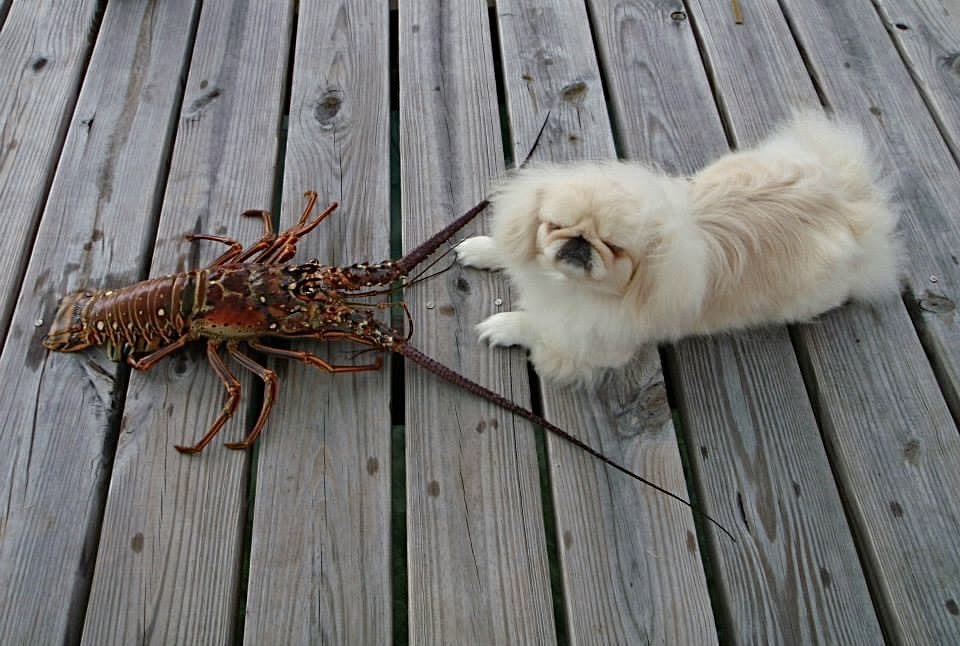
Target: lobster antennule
419 253
459 380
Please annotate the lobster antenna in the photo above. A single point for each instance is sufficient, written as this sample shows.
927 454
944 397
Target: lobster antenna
420 277
536 140
419 253
483 392
396 289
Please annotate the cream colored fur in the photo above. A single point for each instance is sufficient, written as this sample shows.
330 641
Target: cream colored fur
778 233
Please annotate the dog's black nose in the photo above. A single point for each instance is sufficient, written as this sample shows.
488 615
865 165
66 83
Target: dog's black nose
576 251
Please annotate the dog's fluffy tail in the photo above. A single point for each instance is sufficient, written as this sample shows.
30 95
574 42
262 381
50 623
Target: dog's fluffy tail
841 151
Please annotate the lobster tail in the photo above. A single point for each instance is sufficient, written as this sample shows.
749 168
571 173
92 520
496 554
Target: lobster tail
460 381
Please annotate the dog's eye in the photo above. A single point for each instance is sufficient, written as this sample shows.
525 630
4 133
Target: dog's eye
551 227
614 249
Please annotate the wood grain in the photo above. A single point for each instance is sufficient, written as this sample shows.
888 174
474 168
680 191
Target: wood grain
59 420
168 566
794 573
886 423
896 456
477 565
741 397
320 550
867 393
162 559
877 91
927 34
43 48
630 563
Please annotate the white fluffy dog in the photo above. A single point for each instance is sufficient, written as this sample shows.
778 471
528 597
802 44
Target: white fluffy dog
608 256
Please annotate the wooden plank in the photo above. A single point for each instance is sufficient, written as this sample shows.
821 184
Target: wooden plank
631 567
320 549
794 573
877 91
43 48
884 420
747 422
168 566
56 442
919 453
476 553
927 33
896 456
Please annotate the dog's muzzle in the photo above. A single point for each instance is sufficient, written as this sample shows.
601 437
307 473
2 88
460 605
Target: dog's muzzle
576 251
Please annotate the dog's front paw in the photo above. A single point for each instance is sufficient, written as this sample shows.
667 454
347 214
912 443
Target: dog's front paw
506 329
480 252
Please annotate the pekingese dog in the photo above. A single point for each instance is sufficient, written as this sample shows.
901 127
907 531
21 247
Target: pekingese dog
608 256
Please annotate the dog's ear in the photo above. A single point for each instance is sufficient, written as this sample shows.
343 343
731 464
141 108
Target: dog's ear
516 220
640 288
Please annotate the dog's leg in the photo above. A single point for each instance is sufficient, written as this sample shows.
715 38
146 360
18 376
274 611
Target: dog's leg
556 364
509 328
561 367
480 252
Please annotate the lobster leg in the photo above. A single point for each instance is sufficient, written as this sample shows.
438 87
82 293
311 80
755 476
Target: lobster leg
149 361
229 407
317 362
236 252
271 248
269 378
235 247
232 255
267 221
285 246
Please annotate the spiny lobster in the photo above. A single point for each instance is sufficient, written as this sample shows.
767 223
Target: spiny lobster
246 294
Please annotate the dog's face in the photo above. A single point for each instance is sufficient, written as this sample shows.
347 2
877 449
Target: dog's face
597 225
590 234
584 237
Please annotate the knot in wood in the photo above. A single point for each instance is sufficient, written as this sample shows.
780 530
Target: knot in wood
574 92
198 105
951 62
936 303
638 403
328 106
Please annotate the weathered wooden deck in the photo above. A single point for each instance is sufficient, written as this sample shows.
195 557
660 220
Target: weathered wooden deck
388 505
